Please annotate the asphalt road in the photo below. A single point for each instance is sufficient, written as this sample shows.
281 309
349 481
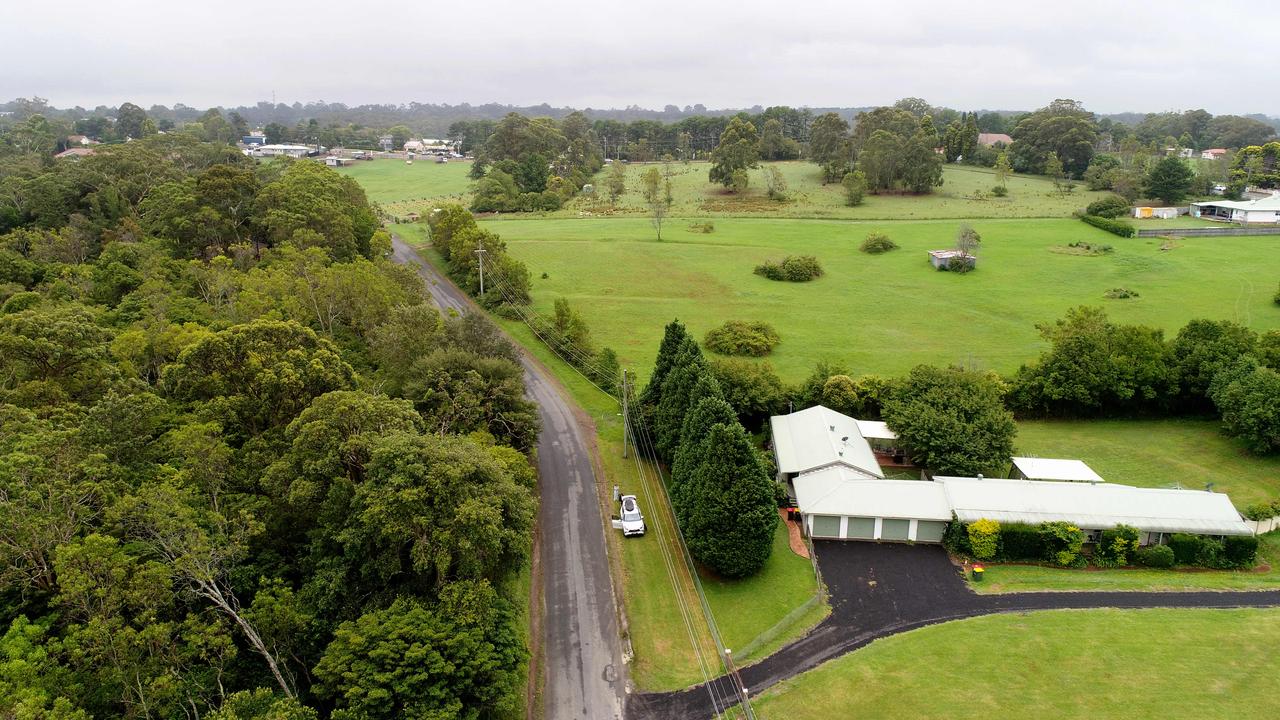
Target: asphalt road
582 665
881 589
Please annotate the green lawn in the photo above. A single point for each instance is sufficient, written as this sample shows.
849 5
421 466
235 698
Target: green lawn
881 314
1157 453
402 188
1169 664
1024 578
965 193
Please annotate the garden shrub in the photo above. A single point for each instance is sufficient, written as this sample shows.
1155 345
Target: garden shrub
1021 542
738 337
1240 551
792 268
984 538
1276 298
1000 191
1115 227
1111 207
877 243
955 539
1211 554
1262 511
1185 547
1155 556
1117 543
1062 542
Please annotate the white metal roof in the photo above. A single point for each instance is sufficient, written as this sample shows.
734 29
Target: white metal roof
1266 204
875 429
1056 469
1093 506
841 491
819 437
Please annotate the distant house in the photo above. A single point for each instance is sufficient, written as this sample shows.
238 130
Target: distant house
1029 468
414 146
1264 210
335 161
1213 153
296 151
74 153
944 259
254 139
993 139
81 140
1180 152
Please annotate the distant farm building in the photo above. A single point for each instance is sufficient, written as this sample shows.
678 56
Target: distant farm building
74 153
1157 213
947 259
295 151
1213 153
992 139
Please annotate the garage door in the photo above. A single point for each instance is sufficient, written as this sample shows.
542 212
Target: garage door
930 531
895 529
826 526
861 528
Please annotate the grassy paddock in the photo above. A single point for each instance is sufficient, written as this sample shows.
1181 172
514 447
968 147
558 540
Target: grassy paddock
1171 664
1157 453
965 193
402 188
886 313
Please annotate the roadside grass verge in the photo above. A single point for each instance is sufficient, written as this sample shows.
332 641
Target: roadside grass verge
1170 664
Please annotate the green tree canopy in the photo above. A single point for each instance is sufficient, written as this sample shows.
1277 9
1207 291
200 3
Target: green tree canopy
739 149
953 421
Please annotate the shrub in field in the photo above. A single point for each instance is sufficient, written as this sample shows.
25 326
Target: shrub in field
1155 556
1111 207
1120 294
984 538
1062 542
1276 297
1000 191
1118 543
1240 551
738 337
706 228
1021 542
855 187
877 243
792 268
1115 227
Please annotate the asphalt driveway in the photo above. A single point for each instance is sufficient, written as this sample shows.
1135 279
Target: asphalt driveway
880 589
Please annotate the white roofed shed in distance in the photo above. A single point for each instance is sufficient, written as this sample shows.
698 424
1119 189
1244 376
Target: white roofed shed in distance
841 491
1093 505
1055 469
819 437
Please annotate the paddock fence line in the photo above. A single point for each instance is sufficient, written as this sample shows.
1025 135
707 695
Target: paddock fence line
1208 231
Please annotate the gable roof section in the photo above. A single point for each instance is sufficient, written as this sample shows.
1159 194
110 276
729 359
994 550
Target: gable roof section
841 491
819 437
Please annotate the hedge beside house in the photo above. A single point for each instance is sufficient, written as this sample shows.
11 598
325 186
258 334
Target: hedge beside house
1116 227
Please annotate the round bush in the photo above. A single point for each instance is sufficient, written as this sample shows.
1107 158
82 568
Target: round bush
738 337
19 302
1000 191
877 243
1111 206
801 268
1155 556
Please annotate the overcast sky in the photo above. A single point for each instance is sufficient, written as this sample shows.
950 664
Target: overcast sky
1115 55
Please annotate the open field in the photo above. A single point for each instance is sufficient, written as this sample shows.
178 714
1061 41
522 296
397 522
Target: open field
1171 664
1024 578
965 193
1157 453
879 314
401 188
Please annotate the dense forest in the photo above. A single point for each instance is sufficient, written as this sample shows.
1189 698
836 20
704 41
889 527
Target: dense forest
246 470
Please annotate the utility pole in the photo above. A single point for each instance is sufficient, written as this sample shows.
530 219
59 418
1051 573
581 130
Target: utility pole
626 419
480 251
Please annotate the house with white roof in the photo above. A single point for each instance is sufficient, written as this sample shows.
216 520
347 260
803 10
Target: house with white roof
827 460
1262 210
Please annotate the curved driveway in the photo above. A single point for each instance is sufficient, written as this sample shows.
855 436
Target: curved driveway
582 657
881 589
